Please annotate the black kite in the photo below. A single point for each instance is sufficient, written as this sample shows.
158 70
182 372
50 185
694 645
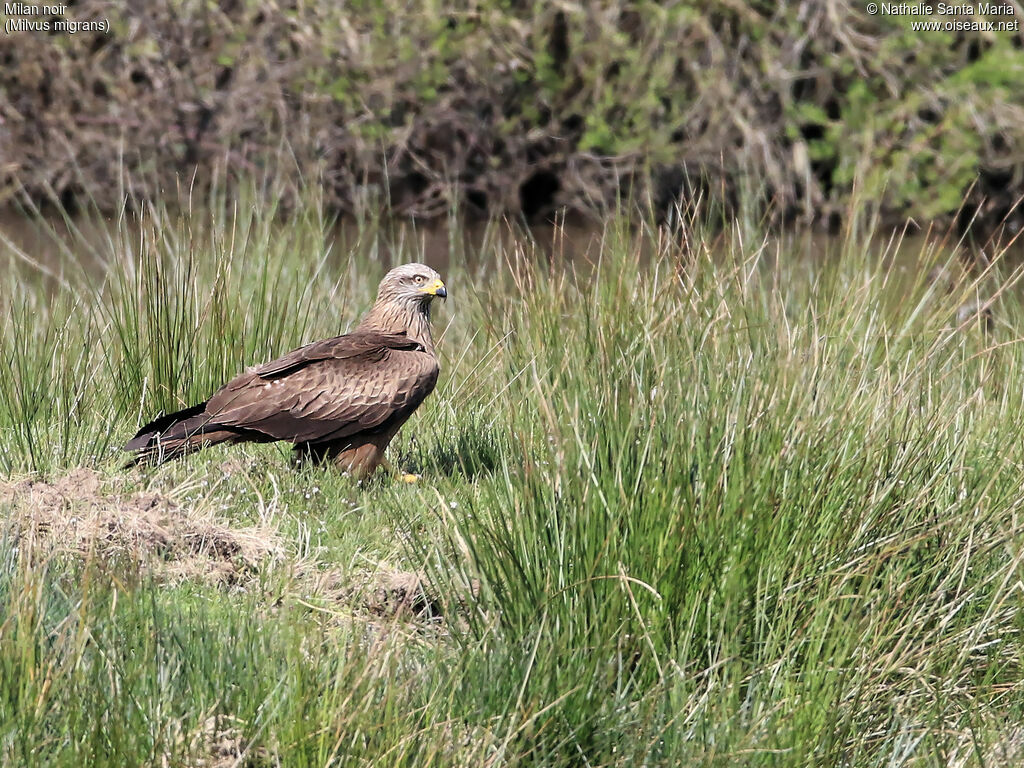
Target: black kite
341 399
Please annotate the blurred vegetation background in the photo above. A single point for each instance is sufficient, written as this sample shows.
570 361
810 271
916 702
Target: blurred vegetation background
502 107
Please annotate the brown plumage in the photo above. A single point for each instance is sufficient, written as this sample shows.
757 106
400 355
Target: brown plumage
341 399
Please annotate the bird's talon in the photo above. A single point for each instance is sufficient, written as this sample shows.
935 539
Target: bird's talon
407 478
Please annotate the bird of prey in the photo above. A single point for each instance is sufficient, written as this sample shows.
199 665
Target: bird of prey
340 400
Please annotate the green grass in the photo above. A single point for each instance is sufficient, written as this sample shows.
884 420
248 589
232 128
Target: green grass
680 506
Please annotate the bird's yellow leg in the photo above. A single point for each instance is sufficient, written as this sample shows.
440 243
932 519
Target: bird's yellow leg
398 474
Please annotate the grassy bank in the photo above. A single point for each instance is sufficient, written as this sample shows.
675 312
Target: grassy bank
680 506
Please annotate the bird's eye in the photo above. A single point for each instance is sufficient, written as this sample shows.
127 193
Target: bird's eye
419 279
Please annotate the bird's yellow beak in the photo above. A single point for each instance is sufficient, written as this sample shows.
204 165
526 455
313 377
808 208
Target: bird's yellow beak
436 288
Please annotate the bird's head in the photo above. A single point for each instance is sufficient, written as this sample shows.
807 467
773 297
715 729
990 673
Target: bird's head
411 285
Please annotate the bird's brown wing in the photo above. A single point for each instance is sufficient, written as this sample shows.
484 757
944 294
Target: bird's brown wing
337 348
330 389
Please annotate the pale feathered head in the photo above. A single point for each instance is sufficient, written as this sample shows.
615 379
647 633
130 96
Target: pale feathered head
413 285
403 302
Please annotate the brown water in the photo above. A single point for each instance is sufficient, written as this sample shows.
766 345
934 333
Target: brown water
52 247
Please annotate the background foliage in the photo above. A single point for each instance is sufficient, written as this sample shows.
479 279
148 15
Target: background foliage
507 106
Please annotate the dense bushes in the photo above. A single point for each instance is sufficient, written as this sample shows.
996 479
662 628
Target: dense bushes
506 106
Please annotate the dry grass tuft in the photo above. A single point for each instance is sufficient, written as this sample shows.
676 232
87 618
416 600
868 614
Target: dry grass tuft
383 591
80 514
219 742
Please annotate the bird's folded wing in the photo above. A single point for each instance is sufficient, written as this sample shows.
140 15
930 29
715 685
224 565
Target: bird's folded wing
354 345
323 396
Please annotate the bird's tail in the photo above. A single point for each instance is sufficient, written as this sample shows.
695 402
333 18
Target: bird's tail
176 434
